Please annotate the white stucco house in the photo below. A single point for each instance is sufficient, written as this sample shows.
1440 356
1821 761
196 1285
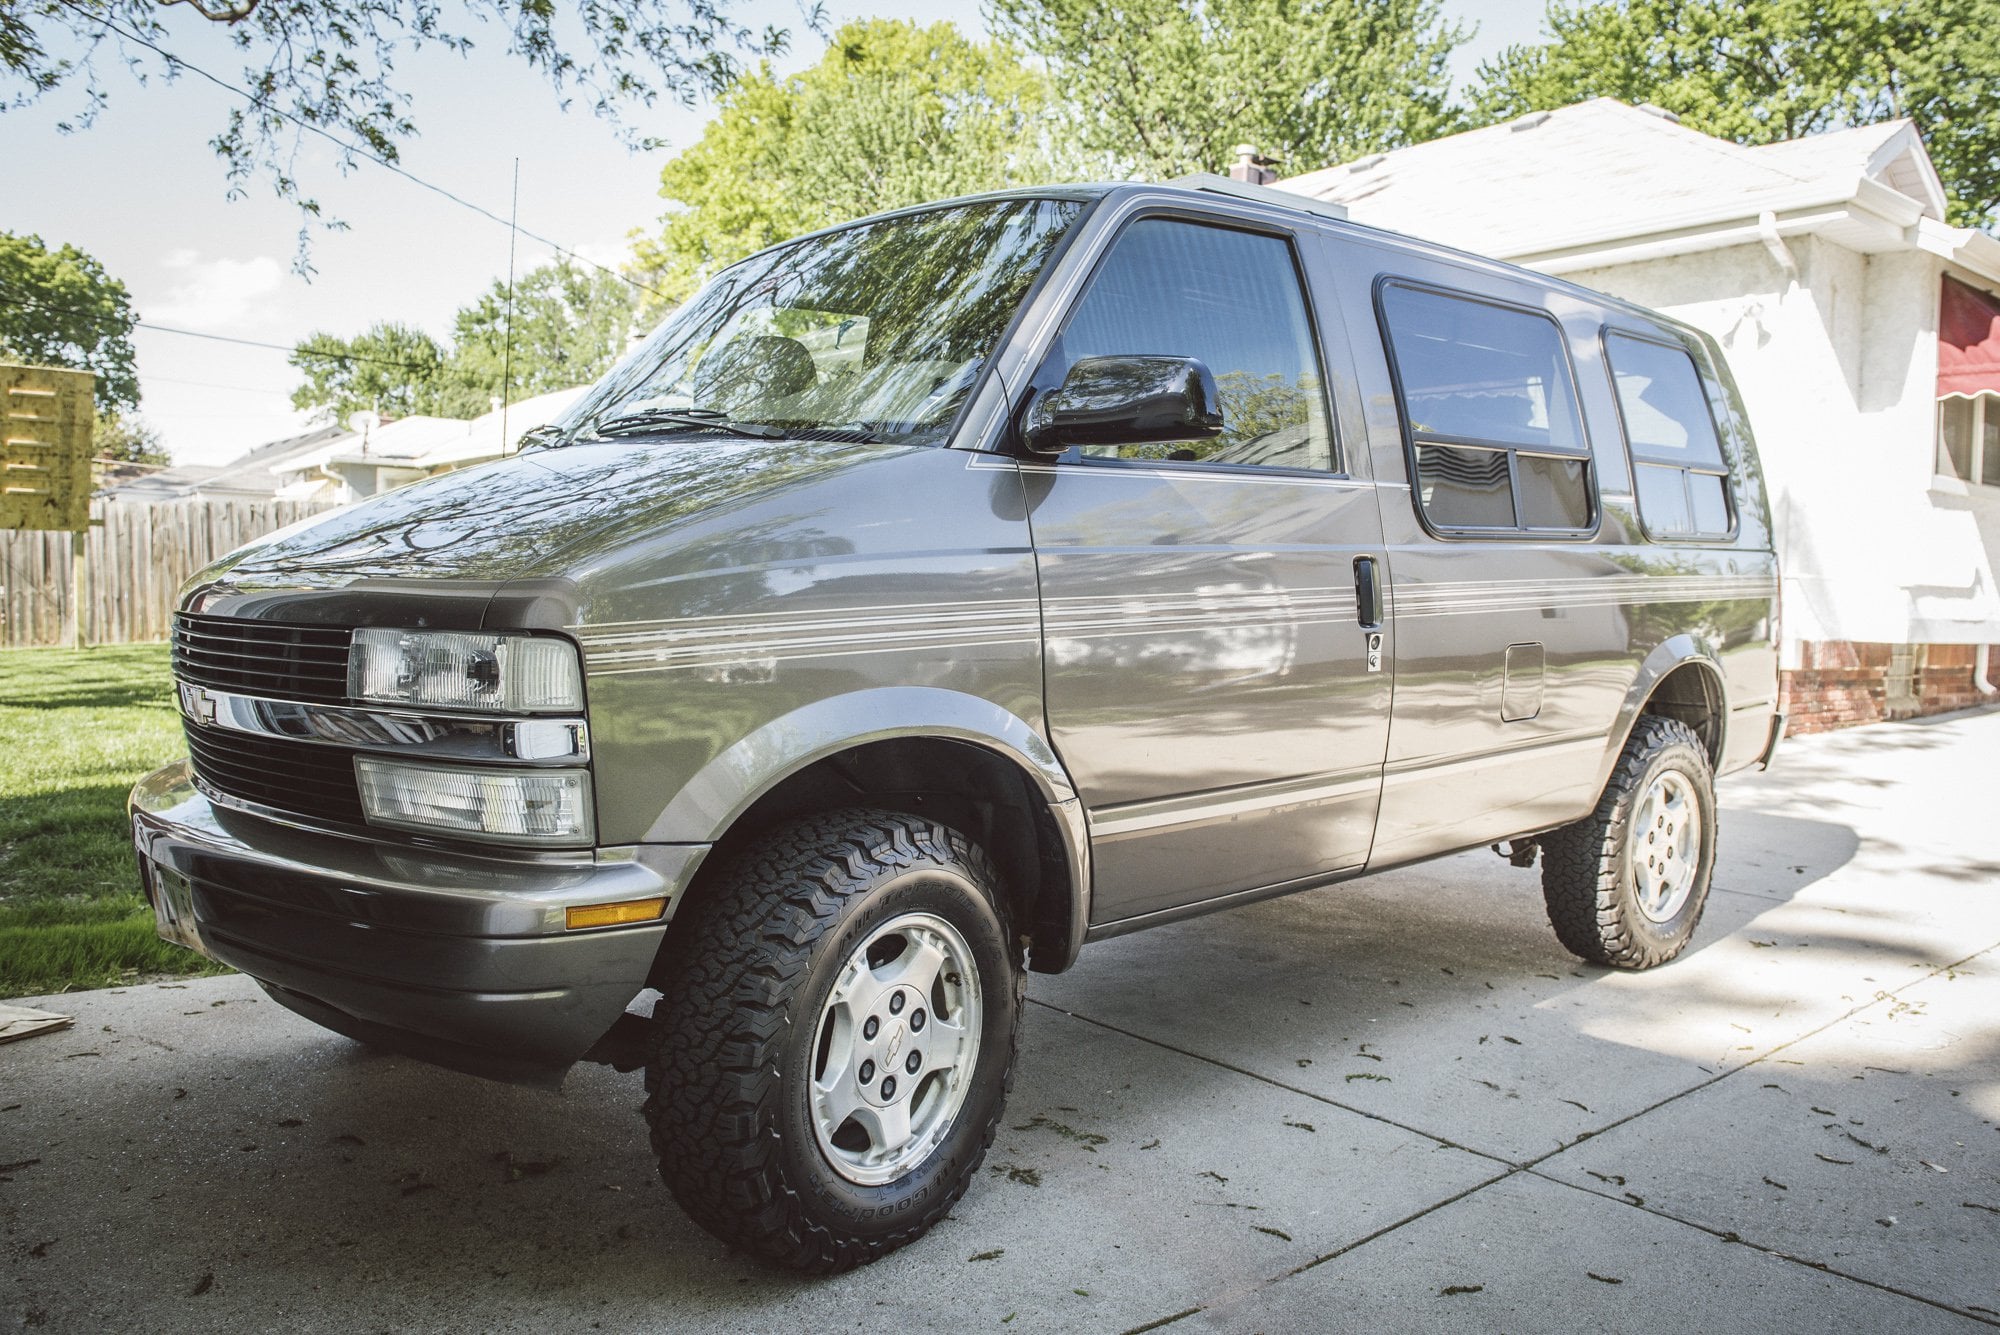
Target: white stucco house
1864 331
363 463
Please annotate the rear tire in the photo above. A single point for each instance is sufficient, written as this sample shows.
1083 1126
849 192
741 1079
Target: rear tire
1626 885
835 1039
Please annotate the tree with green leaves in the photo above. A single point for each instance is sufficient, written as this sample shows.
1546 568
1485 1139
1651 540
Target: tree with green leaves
60 308
570 324
393 369
1758 71
893 114
119 438
1159 88
326 72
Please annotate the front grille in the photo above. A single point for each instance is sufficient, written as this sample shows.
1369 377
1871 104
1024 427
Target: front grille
263 658
297 777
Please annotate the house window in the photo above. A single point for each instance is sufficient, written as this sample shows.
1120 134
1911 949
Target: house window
1494 429
1678 473
1968 384
1969 438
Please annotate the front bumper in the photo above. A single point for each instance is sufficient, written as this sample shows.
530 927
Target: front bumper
457 958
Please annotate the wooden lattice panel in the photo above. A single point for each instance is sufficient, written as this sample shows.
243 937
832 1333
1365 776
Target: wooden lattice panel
45 421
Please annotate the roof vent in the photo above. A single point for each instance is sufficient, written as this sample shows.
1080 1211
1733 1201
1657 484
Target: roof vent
1363 164
1651 110
1529 121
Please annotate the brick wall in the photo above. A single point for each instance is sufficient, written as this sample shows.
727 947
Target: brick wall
1836 685
1840 683
1944 680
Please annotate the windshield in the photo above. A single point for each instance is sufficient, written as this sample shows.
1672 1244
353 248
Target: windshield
877 330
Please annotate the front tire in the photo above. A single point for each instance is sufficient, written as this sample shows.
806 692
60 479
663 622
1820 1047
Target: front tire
835 1039
1626 885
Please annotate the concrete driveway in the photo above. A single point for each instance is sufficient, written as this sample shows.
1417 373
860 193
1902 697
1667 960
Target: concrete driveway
1390 1105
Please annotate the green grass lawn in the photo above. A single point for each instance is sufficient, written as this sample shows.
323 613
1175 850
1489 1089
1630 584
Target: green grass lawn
76 729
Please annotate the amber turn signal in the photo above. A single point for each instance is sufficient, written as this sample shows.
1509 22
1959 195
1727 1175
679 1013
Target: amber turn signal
612 915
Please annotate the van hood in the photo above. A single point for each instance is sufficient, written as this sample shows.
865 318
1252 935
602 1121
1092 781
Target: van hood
536 515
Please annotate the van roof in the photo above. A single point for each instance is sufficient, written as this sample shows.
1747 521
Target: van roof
1329 218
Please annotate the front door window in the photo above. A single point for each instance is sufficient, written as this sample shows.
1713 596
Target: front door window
1232 300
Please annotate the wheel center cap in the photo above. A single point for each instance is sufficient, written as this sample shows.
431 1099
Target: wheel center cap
894 1047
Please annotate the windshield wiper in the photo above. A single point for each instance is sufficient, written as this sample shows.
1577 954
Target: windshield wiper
647 418
546 434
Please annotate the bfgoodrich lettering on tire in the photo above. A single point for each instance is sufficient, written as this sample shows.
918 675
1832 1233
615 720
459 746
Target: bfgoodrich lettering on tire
1626 885
832 1051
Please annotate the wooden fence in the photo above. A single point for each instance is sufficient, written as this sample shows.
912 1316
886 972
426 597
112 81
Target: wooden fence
136 556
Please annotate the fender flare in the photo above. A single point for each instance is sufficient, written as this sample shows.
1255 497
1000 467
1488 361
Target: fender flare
711 802
1668 656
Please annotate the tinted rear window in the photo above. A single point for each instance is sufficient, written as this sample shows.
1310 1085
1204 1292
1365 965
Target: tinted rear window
1660 396
1677 466
1481 373
1486 391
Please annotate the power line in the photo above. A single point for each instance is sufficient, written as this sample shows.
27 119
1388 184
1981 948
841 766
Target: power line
300 349
230 338
152 414
210 384
350 148
37 303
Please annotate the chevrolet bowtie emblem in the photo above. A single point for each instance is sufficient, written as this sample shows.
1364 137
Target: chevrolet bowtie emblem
198 704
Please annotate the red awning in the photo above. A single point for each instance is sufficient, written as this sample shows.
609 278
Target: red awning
1968 341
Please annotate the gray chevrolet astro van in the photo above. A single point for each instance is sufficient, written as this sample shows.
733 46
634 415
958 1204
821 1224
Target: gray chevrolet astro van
934 595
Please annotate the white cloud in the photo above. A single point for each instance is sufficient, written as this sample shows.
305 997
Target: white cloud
610 254
220 296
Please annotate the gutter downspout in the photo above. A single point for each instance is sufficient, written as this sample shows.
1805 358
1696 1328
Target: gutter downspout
1767 231
1981 679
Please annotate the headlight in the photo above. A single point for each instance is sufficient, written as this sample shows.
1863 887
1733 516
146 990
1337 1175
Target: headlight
515 806
448 669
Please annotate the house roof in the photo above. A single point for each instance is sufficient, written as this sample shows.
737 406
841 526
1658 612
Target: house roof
1556 188
247 475
431 442
496 432
404 441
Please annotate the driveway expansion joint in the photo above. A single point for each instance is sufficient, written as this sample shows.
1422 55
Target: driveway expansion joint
1731 1236
1443 1142
1531 1166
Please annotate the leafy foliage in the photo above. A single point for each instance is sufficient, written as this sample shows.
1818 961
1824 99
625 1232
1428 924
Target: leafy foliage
570 325
1257 405
893 114
394 369
60 308
1758 71
1164 87
329 71
127 440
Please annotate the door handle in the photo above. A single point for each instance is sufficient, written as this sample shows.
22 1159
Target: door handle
1367 592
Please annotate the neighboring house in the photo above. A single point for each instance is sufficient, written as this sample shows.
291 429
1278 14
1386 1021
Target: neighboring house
247 477
358 464
1864 332
337 465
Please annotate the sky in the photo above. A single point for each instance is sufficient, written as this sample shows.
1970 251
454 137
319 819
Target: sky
143 192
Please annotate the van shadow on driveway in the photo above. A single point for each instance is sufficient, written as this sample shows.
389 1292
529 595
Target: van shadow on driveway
1324 1110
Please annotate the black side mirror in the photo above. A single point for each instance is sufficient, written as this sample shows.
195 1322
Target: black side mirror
1138 400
